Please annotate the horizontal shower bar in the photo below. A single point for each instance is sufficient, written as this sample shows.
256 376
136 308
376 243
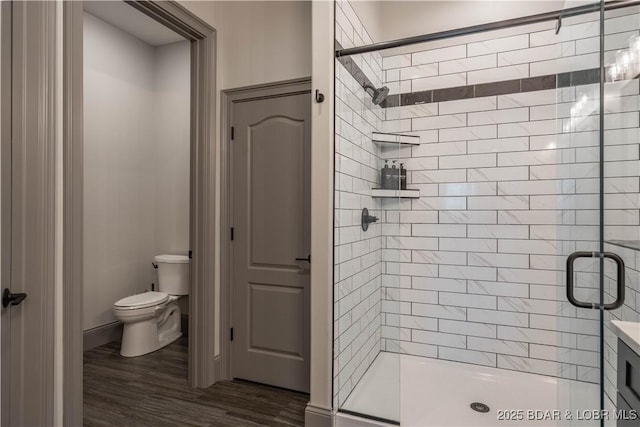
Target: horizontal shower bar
514 22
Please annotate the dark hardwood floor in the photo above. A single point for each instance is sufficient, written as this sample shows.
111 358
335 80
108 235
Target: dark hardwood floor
152 391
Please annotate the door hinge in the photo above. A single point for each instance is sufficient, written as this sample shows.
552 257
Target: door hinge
231 334
233 133
190 254
231 233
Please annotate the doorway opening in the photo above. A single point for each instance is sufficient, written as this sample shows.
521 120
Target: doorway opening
139 205
136 166
136 213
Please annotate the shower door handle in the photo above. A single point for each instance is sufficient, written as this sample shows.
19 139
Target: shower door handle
620 280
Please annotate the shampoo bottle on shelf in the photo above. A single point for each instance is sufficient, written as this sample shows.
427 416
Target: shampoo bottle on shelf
403 177
394 177
384 175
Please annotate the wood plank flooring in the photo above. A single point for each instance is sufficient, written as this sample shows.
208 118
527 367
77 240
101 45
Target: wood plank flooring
152 391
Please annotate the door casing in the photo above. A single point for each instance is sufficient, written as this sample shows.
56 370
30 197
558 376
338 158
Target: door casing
284 88
202 319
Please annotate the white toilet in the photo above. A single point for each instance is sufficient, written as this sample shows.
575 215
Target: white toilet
152 319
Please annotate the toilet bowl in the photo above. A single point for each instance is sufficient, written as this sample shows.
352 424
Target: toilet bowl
152 319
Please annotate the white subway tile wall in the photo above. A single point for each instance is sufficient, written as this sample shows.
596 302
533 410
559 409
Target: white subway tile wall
514 183
358 255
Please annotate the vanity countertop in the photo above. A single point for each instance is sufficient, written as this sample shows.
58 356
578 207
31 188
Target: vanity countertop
629 332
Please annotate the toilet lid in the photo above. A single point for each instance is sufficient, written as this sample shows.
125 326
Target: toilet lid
172 259
145 299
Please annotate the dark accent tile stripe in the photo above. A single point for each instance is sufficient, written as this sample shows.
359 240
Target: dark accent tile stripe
496 88
529 84
412 98
460 92
563 80
538 83
585 77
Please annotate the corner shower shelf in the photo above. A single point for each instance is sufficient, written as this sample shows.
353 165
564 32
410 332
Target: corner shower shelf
395 194
394 140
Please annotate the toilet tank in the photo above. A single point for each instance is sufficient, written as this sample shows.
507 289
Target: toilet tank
173 274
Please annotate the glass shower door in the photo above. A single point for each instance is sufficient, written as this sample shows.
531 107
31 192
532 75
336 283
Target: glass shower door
601 128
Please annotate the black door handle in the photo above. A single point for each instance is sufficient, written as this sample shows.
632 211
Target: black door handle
308 259
620 280
12 299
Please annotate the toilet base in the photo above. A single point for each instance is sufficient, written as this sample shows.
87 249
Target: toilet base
146 336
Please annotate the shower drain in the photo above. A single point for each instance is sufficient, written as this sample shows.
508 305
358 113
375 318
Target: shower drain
479 407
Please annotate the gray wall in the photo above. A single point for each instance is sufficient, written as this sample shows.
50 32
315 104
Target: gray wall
136 162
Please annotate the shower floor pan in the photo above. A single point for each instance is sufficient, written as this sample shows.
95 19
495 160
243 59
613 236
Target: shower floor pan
421 391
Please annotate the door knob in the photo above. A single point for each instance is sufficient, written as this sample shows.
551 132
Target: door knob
12 299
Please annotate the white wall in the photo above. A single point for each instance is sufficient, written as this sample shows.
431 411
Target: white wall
394 19
406 18
369 13
136 135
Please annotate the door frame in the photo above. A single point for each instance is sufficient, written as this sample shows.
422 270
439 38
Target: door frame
202 327
229 97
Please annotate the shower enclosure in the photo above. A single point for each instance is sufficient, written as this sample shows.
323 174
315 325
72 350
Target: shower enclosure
499 166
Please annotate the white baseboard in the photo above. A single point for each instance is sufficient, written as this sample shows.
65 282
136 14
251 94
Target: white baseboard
315 416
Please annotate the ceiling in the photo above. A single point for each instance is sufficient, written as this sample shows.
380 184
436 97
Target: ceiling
132 21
